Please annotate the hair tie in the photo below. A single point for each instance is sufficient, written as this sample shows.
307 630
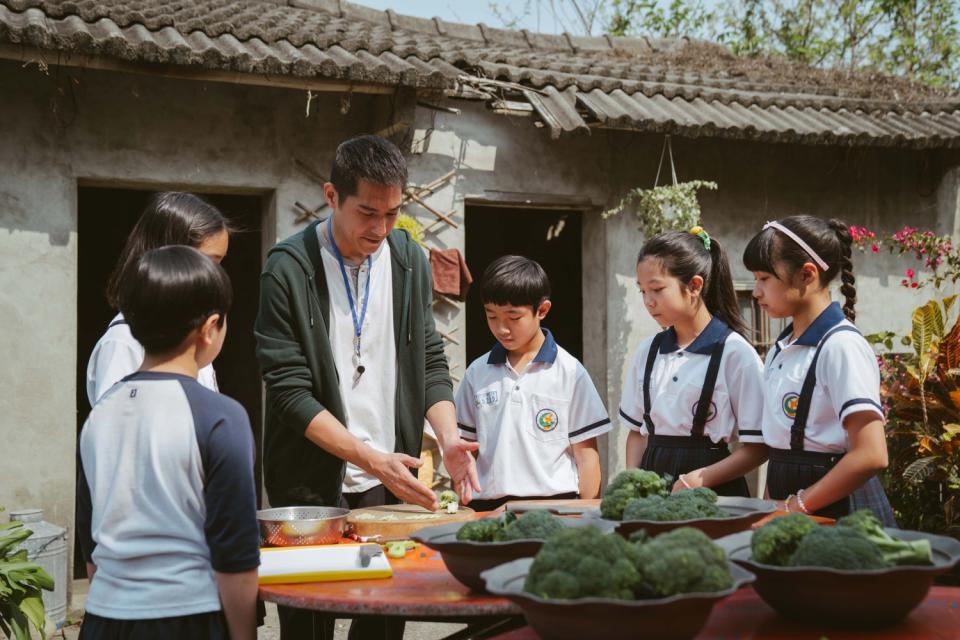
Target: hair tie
703 235
803 245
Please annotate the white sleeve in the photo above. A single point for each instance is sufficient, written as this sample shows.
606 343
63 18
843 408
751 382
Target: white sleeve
631 399
110 362
743 372
466 409
849 373
588 415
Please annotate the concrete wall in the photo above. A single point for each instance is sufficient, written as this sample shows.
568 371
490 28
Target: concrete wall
73 127
882 189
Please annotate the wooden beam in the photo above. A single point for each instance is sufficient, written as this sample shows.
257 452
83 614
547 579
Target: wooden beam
48 57
442 216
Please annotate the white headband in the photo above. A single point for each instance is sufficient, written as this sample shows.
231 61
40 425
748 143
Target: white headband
803 245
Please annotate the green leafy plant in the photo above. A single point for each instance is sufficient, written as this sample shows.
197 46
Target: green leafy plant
21 583
666 207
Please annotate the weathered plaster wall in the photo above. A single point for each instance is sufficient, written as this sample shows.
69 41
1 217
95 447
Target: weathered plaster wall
69 127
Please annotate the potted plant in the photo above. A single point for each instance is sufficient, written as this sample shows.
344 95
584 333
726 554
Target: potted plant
21 582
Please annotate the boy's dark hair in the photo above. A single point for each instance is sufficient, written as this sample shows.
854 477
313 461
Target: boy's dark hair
171 217
515 281
370 158
776 253
683 255
171 291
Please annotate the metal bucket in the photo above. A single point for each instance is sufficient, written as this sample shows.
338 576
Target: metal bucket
48 548
298 526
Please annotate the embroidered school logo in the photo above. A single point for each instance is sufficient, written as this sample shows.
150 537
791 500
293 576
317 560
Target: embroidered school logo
710 414
789 404
547 420
486 398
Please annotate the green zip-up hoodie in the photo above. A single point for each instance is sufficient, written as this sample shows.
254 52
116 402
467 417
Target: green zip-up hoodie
296 361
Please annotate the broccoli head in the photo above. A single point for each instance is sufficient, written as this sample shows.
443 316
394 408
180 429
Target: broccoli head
630 485
483 530
584 563
838 548
640 536
684 560
643 482
895 552
447 498
533 525
685 505
775 542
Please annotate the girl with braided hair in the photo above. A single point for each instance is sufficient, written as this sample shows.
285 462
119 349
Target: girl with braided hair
822 418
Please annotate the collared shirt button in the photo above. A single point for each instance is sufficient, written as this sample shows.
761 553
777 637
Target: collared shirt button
779 366
674 378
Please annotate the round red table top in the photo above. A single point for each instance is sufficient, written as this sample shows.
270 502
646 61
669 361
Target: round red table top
421 587
744 616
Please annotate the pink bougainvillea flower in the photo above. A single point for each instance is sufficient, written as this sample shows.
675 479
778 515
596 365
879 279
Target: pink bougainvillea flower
910 273
874 248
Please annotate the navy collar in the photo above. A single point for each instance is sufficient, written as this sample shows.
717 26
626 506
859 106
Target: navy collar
715 332
828 319
547 353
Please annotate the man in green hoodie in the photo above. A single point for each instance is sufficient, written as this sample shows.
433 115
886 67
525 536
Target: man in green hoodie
352 360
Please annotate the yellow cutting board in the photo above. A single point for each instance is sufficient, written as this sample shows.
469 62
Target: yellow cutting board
401 520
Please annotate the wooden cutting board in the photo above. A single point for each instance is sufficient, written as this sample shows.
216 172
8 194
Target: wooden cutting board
400 520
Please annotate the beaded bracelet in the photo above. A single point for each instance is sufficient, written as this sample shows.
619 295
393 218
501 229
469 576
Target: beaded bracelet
802 506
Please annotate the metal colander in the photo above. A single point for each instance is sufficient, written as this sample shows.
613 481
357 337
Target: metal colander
298 526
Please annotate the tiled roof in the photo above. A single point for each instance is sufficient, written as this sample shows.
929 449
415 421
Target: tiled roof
573 83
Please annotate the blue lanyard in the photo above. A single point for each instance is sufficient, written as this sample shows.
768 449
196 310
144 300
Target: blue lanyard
357 322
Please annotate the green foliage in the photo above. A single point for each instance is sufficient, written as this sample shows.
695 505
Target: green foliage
664 208
410 224
21 583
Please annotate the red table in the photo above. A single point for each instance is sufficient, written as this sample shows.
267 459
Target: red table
744 616
421 589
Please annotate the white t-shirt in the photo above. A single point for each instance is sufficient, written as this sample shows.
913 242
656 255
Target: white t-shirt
526 422
368 400
677 380
117 354
848 381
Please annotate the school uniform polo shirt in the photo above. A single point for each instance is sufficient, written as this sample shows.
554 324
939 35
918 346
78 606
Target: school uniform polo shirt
368 401
165 497
677 380
527 421
848 381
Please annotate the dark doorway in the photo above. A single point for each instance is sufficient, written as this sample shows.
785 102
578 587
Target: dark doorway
105 218
552 238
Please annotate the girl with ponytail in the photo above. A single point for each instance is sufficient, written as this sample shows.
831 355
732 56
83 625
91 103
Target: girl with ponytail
694 387
822 418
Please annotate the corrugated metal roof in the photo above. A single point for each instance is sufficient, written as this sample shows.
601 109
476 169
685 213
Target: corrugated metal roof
573 84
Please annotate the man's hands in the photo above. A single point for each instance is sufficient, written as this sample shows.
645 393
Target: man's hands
462 467
393 470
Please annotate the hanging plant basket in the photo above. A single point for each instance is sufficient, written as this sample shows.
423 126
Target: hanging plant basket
664 208
669 207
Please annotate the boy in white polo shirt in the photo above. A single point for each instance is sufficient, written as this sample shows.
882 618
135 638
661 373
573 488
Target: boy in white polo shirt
529 403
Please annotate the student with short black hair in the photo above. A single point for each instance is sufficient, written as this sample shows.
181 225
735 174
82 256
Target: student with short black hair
170 218
166 501
822 417
693 388
530 405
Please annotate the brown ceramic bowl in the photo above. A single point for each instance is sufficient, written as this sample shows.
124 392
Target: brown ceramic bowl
846 598
743 512
467 560
678 617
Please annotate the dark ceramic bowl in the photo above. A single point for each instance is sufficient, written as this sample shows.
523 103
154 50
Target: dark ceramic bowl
467 560
743 512
847 598
675 618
